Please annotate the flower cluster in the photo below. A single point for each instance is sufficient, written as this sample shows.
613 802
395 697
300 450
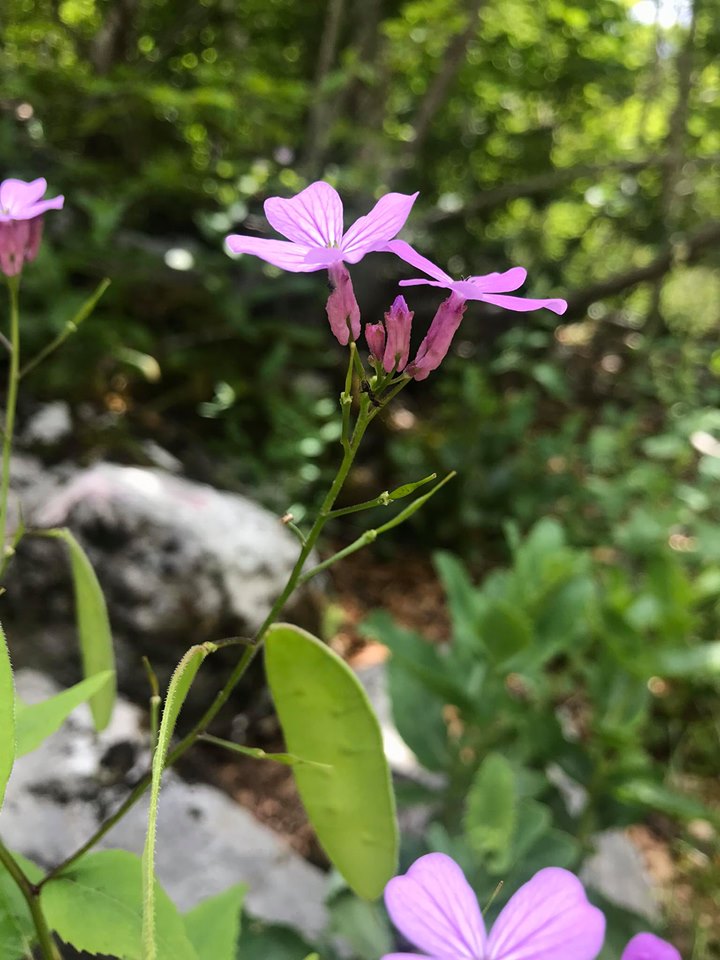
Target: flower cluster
312 222
548 918
21 221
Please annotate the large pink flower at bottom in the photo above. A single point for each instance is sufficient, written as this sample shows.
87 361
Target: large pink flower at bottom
549 918
312 221
490 288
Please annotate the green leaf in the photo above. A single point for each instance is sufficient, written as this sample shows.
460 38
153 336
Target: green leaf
407 488
289 759
462 600
93 625
7 716
37 721
505 630
657 796
701 661
180 683
267 941
96 905
17 932
418 716
361 924
326 717
491 811
213 926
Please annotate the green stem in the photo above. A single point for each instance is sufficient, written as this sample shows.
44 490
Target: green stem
364 418
31 894
70 327
13 379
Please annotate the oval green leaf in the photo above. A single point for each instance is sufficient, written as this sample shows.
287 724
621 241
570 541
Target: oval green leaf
93 624
7 716
326 718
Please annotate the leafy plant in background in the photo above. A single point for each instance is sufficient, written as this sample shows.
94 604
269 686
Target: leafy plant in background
543 713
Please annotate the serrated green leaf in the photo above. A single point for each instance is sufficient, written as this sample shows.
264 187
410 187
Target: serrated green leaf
462 600
326 717
180 683
16 927
93 624
96 905
491 812
213 926
37 721
7 716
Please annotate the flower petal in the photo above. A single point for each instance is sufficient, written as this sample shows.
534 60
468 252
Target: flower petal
434 907
521 304
373 231
501 282
549 917
16 195
646 946
287 256
410 255
313 217
421 283
324 256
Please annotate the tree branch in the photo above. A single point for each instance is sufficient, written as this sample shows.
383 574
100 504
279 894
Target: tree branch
686 250
439 88
321 113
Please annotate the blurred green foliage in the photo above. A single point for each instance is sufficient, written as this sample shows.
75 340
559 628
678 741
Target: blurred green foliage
552 713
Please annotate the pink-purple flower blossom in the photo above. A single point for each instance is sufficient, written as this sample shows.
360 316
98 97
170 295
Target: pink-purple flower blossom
312 221
21 213
646 946
490 288
548 918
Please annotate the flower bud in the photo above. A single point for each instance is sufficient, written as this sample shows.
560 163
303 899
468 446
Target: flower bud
342 308
375 336
434 348
398 321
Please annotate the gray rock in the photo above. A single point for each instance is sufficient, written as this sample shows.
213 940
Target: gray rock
50 424
179 563
616 870
60 794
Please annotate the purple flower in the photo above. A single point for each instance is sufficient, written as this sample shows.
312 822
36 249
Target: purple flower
21 211
491 288
549 918
433 350
646 946
312 221
389 342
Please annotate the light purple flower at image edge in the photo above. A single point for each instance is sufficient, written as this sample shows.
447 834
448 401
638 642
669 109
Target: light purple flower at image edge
548 918
21 213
